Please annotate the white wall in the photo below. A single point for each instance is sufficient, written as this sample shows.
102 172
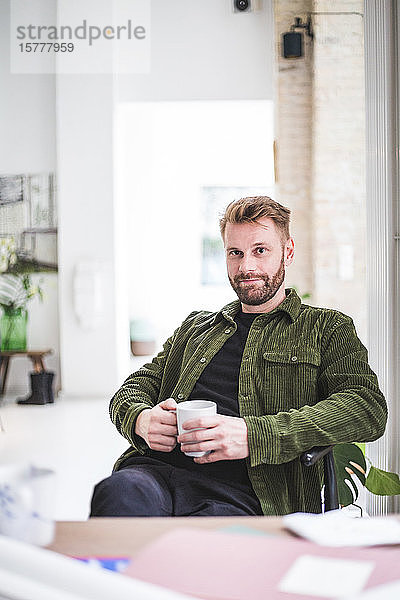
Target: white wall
28 145
202 50
85 105
27 113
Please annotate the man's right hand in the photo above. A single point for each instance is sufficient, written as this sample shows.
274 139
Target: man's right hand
157 426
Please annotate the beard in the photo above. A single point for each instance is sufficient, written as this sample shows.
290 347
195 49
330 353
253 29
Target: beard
254 295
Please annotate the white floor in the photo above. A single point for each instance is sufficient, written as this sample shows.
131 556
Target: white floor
74 437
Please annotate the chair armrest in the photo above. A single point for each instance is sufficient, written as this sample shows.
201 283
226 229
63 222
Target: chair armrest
310 457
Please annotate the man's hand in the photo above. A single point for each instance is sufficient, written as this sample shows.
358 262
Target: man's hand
226 437
157 426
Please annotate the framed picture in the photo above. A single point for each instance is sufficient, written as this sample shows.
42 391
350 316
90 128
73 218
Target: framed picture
11 189
28 214
40 246
40 190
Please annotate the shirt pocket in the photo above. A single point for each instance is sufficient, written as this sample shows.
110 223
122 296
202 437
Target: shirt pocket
291 378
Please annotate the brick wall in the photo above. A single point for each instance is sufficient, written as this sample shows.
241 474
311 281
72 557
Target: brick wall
320 153
293 133
338 188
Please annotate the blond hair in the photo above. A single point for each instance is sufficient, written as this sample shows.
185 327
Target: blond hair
253 208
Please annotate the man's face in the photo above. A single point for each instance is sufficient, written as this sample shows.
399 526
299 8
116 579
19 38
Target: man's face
256 257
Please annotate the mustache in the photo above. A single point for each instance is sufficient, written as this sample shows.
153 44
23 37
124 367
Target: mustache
239 278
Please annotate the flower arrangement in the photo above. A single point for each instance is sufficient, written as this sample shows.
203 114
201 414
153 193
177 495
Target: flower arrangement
16 287
16 290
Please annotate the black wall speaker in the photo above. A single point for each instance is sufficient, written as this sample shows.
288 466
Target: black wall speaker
292 44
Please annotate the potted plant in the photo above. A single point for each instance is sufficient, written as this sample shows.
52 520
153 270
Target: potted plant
16 290
142 337
350 461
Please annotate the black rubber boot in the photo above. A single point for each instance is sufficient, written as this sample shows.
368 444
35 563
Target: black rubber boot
50 377
39 387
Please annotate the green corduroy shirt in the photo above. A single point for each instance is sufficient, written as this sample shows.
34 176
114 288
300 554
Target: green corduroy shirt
304 381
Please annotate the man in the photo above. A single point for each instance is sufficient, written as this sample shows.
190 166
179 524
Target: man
285 376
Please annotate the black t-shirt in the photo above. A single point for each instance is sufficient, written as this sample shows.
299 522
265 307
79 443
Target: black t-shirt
219 382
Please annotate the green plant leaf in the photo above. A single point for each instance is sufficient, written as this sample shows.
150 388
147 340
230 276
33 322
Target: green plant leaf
361 445
348 456
382 483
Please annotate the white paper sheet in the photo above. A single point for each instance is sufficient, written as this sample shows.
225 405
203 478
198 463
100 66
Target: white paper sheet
386 591
326 577
336 529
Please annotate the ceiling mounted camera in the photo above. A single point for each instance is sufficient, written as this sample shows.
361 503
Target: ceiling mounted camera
242 5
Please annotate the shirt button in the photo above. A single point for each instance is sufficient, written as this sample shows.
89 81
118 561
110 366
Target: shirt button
180 396
294 358
203 360
227 331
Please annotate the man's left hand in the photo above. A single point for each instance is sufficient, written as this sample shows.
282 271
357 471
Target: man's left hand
225 437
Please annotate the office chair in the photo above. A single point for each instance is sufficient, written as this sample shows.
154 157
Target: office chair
309 458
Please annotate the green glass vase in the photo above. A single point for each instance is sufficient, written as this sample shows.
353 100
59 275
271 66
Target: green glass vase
13 324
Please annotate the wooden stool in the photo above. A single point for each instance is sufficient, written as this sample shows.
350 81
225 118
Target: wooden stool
36 357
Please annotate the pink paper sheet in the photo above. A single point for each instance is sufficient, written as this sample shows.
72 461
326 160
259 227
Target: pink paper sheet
221 566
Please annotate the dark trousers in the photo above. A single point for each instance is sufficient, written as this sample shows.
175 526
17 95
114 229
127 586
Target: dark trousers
150 488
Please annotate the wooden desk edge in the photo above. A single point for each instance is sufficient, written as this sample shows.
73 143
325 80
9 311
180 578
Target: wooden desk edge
127 536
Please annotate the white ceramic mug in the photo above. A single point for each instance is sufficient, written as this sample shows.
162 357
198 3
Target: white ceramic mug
27 503
194 409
